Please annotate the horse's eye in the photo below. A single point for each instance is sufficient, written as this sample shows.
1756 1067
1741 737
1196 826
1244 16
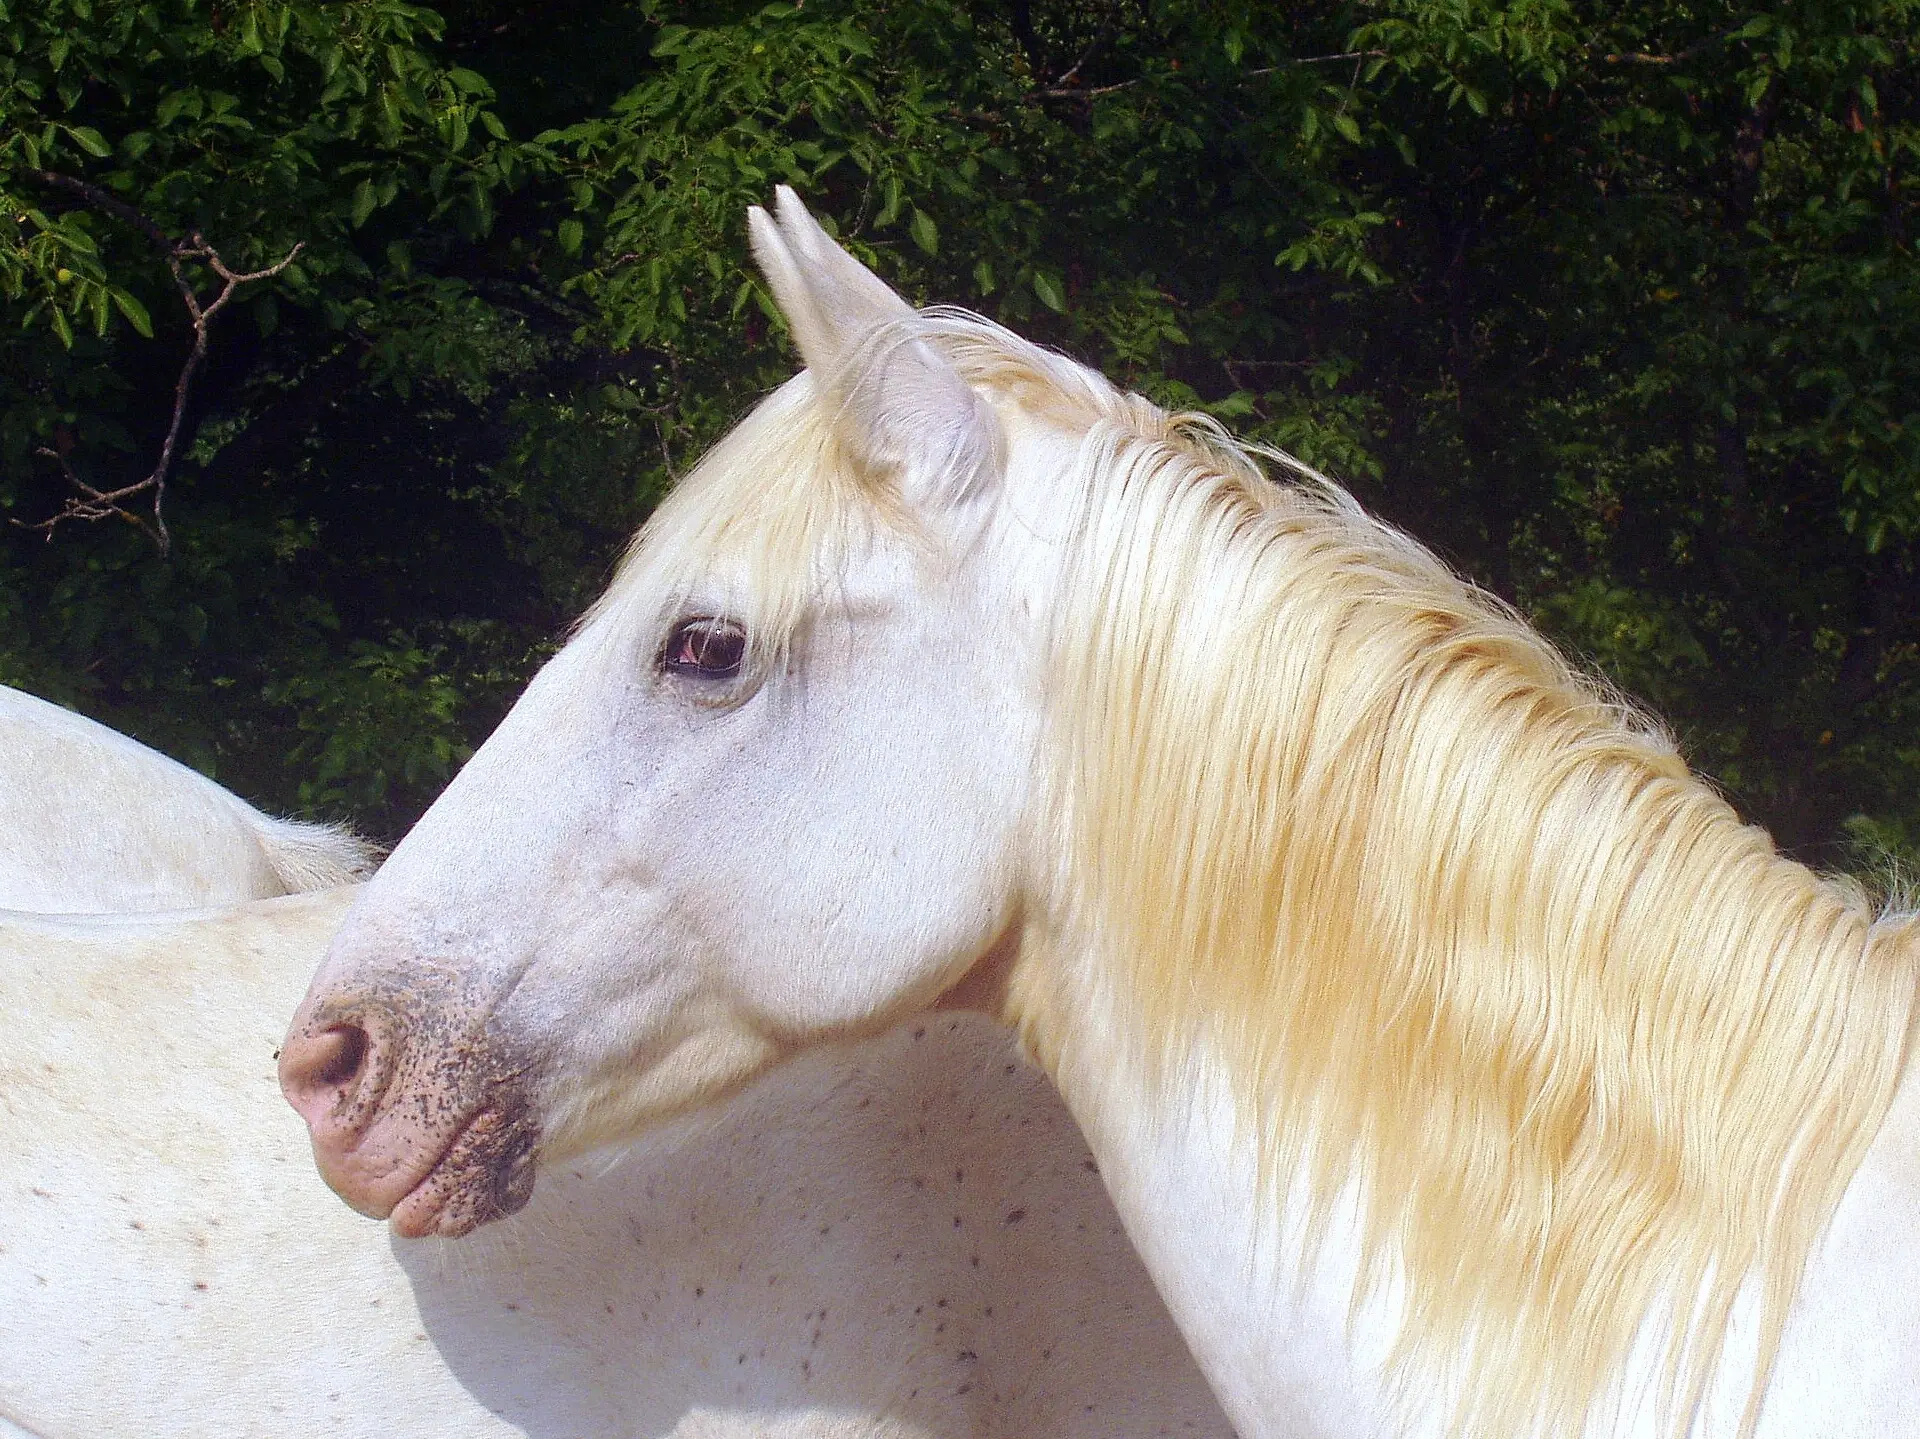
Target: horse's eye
704 647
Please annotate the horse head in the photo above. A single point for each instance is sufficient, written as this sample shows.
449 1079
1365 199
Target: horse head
772 790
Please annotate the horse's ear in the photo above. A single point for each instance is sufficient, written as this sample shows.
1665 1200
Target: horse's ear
900 408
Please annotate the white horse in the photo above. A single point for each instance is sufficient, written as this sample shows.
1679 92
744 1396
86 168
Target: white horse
93 821
1458 1062
898 1240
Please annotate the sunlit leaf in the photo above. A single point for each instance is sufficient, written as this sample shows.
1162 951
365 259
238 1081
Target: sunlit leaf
90 140
135 312
925 233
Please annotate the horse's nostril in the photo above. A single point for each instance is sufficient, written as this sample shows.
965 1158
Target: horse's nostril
339 1053
319 1071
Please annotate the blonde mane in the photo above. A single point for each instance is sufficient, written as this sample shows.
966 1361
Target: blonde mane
1464 929
1460 924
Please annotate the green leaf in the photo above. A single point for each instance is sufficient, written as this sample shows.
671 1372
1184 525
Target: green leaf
1347 126
90 140
135 312
1048 288
570 234
364 201
925 233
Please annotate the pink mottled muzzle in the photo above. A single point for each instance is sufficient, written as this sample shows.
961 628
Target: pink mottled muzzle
415 1117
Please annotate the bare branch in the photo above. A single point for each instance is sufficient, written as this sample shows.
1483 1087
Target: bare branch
104 202
96 504
91 504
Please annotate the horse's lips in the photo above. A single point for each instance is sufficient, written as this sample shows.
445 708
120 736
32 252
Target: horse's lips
485 1173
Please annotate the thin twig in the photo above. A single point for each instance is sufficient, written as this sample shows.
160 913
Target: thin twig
1100 37
1679 57
1352 85
666 455
97 504
1083 92
1079 92
1321 60
93 504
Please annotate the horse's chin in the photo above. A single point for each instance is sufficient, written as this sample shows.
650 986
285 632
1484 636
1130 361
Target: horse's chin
622 1103
486 1173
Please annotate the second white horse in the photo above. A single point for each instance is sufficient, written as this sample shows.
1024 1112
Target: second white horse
93 821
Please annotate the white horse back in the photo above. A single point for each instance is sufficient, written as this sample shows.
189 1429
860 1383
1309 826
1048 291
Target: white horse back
91 821
903 1239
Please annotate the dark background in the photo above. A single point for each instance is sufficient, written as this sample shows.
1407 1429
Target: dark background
1617 307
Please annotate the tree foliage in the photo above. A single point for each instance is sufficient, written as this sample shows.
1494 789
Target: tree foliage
1611 304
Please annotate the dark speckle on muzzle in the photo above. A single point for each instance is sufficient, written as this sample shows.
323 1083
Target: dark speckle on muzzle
420 1107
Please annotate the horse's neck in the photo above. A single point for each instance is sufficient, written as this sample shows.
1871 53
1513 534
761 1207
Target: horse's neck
1269 1314
1280 1354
